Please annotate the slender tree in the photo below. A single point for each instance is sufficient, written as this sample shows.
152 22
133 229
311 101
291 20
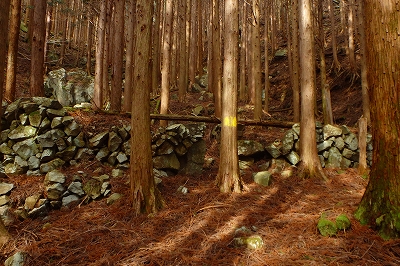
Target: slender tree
295 58
364 76
118 52
228 179
166 61
38 48
4 17
127 103
380 205
216 58
11 73
146 197
182 80
310 164
255 80
336 64
326 93
98 76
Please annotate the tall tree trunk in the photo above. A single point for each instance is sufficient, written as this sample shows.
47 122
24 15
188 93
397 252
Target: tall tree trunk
98 76
4 19
13 35
118 53
336 64
166 62
127 103
266 61
182 85
255 80
156 41
89 39
296 66
351 28
216 56
380 205
228 179
145 195
326 93
38 48
364 76
243 45
310 164
192 43
64 27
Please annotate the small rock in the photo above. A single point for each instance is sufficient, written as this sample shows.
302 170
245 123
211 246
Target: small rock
113 198
18 259
5 188
263 178
69 200
326 227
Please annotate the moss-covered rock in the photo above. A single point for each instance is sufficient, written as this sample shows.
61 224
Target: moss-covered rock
342 222
326 227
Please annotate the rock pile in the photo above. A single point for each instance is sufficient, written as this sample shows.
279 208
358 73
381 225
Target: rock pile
337 147
40 136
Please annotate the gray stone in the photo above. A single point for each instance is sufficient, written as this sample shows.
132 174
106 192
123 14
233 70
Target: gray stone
26 148
4 199
52 165
324 145
104 187
40 211
57 122
18 259
31 201
346 163
54 176
126 147
351 141
246 163
180 149
47 155
322 160
195 158
84 154
76 188
288 141
334 158
4 135
165 148
117 172
123 133
113 198
67 120
35 118
53 113
54 191
339 143
13 169
348 153
331 131
21 163
169 161
293 158
6 215
249 147
263 178
44 125
121 157
102 178
33 162
66 201
345 129
79 141
29 107
67 154
22 132
61 144
73 129
99 140
102 154
49 138
278 165
114 141
23 118
4 149
112 159
274 149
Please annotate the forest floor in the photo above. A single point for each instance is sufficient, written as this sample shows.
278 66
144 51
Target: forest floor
198 228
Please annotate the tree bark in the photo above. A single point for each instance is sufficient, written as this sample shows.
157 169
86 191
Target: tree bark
310 164
13 35
4 19
380 205
118 52
255 81
182 80
326 93
145 195
243 47
127 103
98 76
38 48
216 84
228 178
166 62
336 64
364 76
295 58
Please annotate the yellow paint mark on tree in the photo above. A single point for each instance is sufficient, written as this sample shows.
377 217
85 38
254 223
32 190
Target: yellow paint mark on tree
230 121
